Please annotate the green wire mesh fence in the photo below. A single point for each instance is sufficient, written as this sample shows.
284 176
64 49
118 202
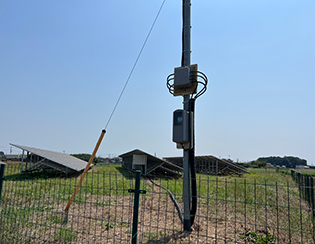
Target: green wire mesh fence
230 210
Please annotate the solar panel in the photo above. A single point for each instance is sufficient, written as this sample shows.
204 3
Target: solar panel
211 165
57 158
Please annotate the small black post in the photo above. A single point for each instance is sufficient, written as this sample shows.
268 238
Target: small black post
312 195
2 165
137 192
313 205
309 190
306 188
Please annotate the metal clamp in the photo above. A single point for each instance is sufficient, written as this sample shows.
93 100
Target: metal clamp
140 191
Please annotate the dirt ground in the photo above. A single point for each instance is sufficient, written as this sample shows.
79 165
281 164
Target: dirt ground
109 219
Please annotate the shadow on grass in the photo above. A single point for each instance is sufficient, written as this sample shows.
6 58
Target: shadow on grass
126 173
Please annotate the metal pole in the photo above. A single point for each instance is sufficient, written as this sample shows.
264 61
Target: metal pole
2 165
27 160
22 161
186 161
186 33
193 207
136 208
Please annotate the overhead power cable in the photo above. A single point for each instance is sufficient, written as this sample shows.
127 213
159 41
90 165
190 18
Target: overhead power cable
135 64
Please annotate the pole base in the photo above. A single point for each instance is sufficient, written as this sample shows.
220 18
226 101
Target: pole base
187 226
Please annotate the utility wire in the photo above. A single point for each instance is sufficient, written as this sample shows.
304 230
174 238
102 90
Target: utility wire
135 64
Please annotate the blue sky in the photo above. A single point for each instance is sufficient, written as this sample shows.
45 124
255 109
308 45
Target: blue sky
63 65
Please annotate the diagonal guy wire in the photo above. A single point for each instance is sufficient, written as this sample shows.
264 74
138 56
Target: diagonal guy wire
134 66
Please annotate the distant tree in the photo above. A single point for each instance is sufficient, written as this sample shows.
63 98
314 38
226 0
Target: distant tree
86 157
258 164
253 164
289 162
1 153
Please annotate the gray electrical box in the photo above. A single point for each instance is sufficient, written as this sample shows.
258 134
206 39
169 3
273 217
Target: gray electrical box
181 77
180 126
185 80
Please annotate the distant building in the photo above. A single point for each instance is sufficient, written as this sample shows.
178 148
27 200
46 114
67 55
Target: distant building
269 166
14 156
302 167
115 160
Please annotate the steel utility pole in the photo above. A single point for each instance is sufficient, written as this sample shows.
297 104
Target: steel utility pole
184 82
186 159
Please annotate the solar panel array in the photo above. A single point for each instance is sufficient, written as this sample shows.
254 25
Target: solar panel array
211 165
55 160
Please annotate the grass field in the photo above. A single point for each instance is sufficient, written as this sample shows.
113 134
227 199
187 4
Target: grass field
263 204
306 171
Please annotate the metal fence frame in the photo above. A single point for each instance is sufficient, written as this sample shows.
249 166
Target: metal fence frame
229 210
306 186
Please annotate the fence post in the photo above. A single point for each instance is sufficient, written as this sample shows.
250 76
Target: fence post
306 188
2 165
309 190
137 192
301 184
312 196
